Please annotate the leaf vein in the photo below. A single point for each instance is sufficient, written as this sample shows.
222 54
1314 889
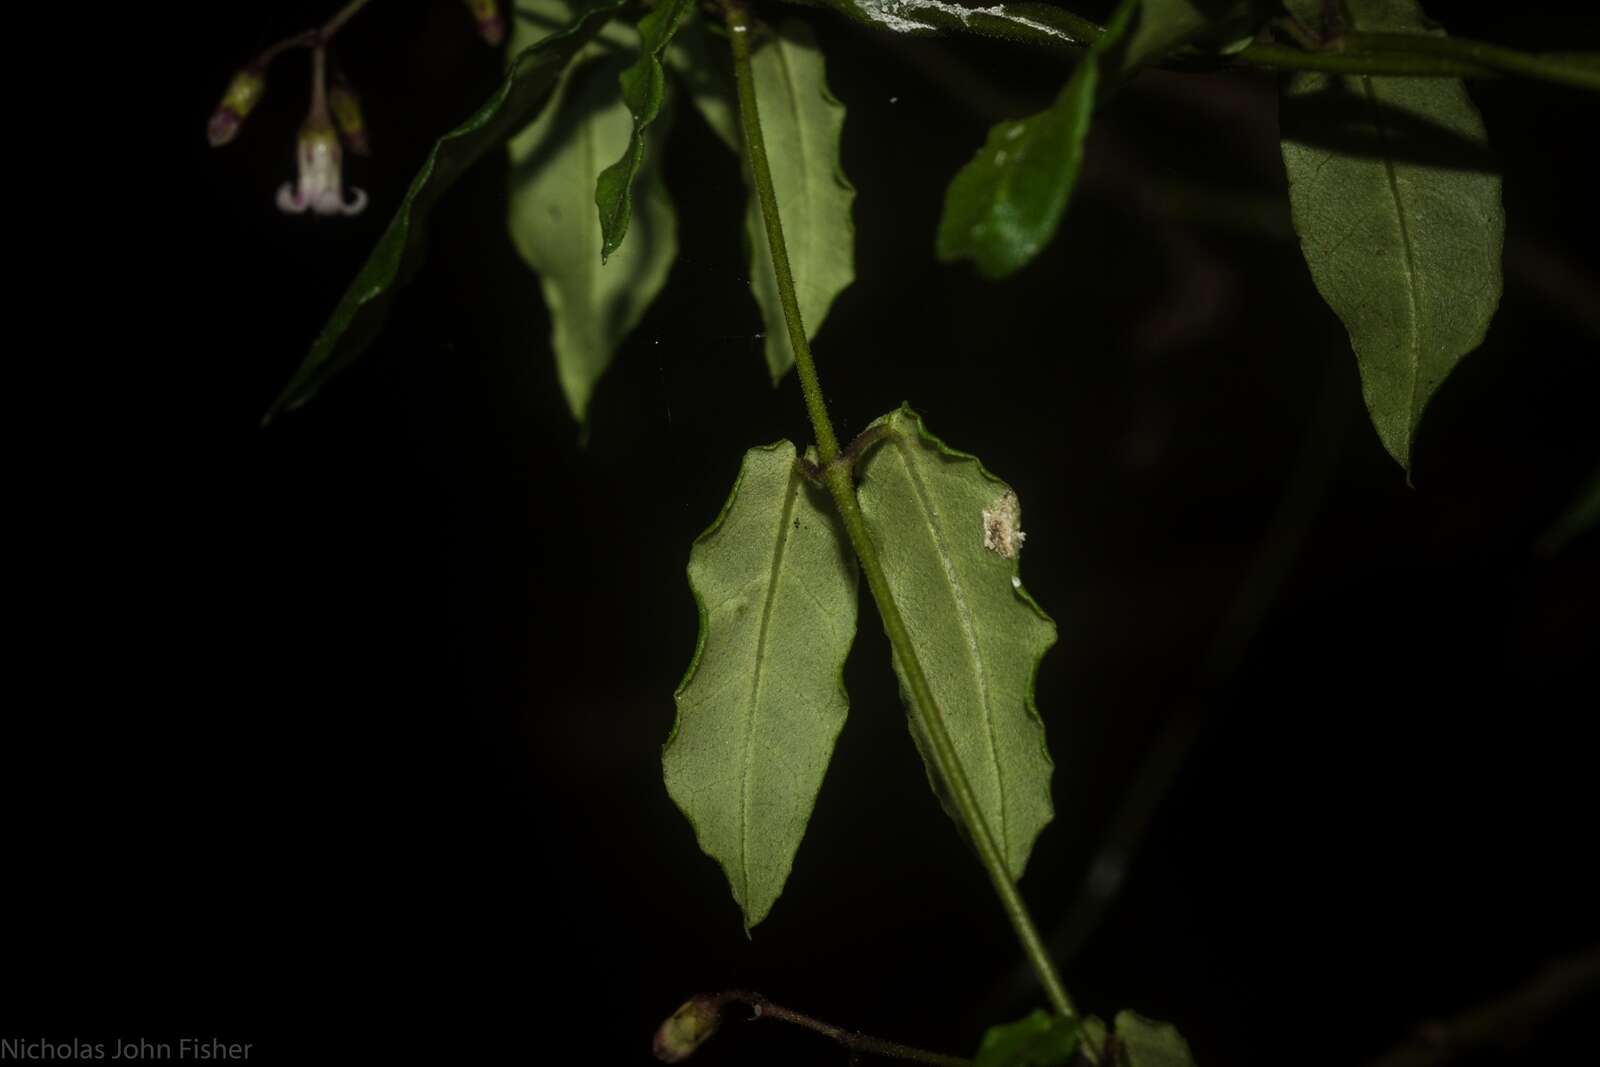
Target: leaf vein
758 677
968 632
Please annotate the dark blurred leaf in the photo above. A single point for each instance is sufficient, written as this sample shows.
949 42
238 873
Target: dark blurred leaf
1004 205
1038 1040
1165 25
359 315
1579 518
1142 1042
644 84
1403 241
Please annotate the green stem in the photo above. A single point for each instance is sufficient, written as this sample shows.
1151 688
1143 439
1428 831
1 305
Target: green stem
344 15
1398 54
840 485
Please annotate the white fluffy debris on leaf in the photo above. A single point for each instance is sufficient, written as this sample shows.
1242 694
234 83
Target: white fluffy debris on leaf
1002 526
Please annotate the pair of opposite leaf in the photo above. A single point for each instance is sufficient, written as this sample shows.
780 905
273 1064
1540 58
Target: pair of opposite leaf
775 583
595 147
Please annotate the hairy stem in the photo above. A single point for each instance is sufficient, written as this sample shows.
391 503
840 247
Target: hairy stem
762 1008
841 487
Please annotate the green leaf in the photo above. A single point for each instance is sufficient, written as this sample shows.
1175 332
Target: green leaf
1005 204
554 165
949 532
1142 1042
644 84
360 313
1038 1040
763 700
537 18
702 65
1403 238
801 124
1163 26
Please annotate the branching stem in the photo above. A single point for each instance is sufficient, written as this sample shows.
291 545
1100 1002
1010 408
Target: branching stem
316 38
841 486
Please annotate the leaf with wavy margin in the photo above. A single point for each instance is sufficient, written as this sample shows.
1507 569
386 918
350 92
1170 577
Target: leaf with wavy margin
644 86
554 163
1403 241
1004 206
948 532
359 316
763 700
801 123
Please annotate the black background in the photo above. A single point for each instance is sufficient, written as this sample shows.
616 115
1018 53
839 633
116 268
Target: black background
353 724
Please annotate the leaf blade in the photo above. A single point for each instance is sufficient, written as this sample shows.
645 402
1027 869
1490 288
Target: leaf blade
1405 246
360 313
1142 1042
1039 1039
764 693
942 525
643 88
554 166
802 135
1006 203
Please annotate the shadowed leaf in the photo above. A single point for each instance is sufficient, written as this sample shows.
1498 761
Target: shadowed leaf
554 165
644 85
1004 206
1404 240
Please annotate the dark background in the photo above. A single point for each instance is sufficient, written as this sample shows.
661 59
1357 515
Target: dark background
353 724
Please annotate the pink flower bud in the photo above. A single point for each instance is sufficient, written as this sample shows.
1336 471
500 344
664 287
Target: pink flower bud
244 91
687 1029
346 108
491 27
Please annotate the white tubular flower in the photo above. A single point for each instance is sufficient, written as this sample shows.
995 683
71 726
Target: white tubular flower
320 188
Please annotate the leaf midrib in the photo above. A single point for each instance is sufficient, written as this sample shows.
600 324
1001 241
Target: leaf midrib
758 678
791 98
1414 337
968 631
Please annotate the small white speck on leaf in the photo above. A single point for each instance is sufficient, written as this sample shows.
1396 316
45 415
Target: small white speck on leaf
1016 583
1002 526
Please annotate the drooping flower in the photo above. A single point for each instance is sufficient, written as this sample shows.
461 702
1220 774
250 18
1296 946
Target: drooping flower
320 187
